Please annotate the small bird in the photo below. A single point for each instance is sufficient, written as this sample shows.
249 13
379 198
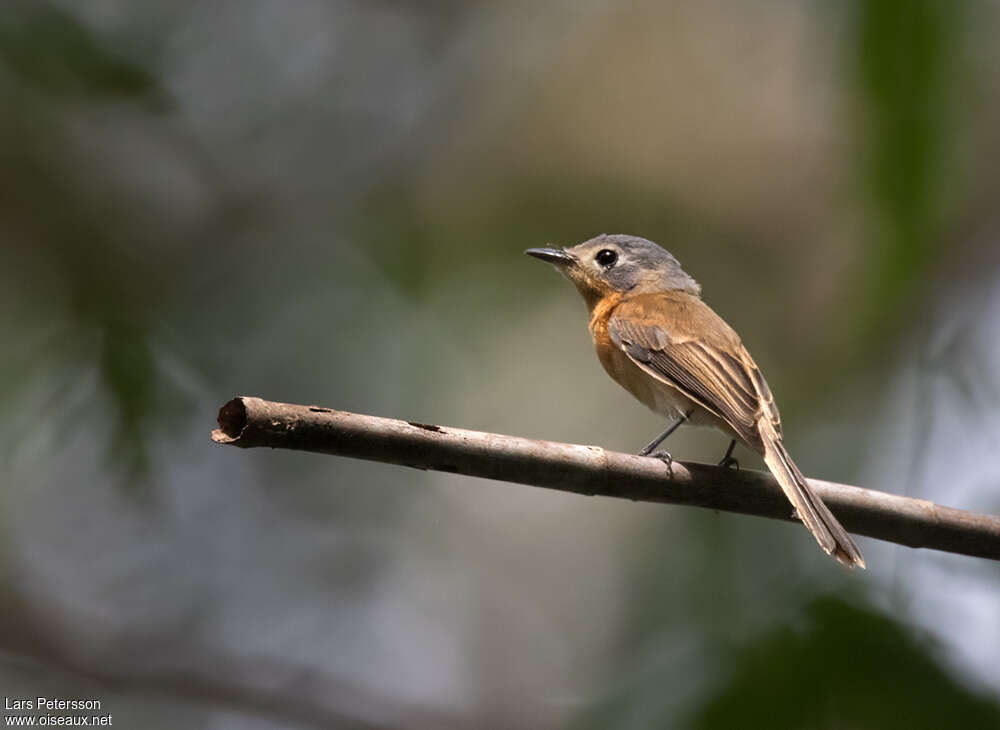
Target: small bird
657 339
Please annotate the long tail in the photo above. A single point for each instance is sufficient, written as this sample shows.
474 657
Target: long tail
829 533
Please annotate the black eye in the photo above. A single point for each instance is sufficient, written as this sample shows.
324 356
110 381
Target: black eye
606 258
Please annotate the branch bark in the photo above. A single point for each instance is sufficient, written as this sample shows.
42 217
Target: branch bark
249 422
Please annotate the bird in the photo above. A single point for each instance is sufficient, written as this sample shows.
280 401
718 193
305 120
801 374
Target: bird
657 339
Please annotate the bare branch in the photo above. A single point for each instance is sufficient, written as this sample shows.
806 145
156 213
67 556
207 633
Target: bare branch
591 470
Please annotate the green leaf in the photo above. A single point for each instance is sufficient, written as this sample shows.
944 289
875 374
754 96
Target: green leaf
50 51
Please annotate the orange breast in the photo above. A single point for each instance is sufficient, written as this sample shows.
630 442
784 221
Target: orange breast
656 395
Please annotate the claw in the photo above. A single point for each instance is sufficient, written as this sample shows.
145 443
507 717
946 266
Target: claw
730 462
666 458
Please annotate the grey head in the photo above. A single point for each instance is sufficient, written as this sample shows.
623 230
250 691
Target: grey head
619 263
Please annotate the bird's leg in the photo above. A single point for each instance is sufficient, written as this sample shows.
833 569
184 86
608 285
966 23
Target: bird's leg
648 448
663 455
729 459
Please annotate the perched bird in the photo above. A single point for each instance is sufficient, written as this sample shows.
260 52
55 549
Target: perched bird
658 339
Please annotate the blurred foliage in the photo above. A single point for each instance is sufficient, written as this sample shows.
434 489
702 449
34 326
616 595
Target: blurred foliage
128 371
50 50
906 63
843 666
418 249
97 284
830 663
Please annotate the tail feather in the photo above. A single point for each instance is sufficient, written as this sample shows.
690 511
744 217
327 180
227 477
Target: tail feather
829 533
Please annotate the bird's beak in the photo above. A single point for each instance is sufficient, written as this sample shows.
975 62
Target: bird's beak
556 256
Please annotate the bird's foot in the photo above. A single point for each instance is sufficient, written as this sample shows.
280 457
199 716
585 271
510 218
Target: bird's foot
730 462
665 457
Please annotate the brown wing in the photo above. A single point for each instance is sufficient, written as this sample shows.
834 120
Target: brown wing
767 405
678 339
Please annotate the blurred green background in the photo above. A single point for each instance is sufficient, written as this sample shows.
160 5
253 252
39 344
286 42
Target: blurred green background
326 202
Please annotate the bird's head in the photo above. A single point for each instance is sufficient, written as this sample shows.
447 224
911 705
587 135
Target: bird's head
618 263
